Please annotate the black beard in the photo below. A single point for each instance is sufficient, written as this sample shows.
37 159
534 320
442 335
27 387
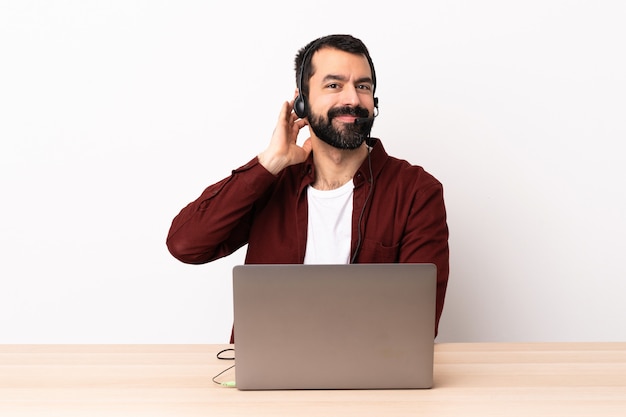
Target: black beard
348 135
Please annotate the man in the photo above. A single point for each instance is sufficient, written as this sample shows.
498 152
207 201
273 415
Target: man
337 198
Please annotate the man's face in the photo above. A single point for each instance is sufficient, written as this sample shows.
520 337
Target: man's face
340 91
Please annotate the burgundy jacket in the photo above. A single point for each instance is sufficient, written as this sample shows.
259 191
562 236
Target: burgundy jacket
404 220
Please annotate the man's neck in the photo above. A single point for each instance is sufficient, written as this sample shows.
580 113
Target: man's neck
335 167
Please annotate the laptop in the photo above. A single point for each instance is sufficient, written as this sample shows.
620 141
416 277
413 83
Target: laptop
356 326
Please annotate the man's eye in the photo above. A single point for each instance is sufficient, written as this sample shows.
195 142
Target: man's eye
364 87
333 86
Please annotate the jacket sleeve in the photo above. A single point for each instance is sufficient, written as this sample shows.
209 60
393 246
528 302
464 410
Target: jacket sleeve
426 237
218 222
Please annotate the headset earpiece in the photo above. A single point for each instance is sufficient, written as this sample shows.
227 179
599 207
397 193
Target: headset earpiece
299 105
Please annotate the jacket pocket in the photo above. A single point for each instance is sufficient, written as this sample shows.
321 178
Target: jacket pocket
376 252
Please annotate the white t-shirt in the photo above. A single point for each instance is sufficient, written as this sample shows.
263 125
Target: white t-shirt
329 231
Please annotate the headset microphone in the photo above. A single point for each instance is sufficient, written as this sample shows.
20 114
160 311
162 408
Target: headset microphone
362 120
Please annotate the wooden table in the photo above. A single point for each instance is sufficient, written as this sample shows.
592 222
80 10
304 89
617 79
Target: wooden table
471 379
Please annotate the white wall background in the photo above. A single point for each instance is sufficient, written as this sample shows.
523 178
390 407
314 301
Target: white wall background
115 114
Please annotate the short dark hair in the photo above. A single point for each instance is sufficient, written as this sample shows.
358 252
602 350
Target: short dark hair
346 43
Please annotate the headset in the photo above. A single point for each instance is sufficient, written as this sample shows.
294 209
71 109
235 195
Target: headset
300 107
300 104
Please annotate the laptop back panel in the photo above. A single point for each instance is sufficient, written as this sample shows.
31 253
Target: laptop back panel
359 326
